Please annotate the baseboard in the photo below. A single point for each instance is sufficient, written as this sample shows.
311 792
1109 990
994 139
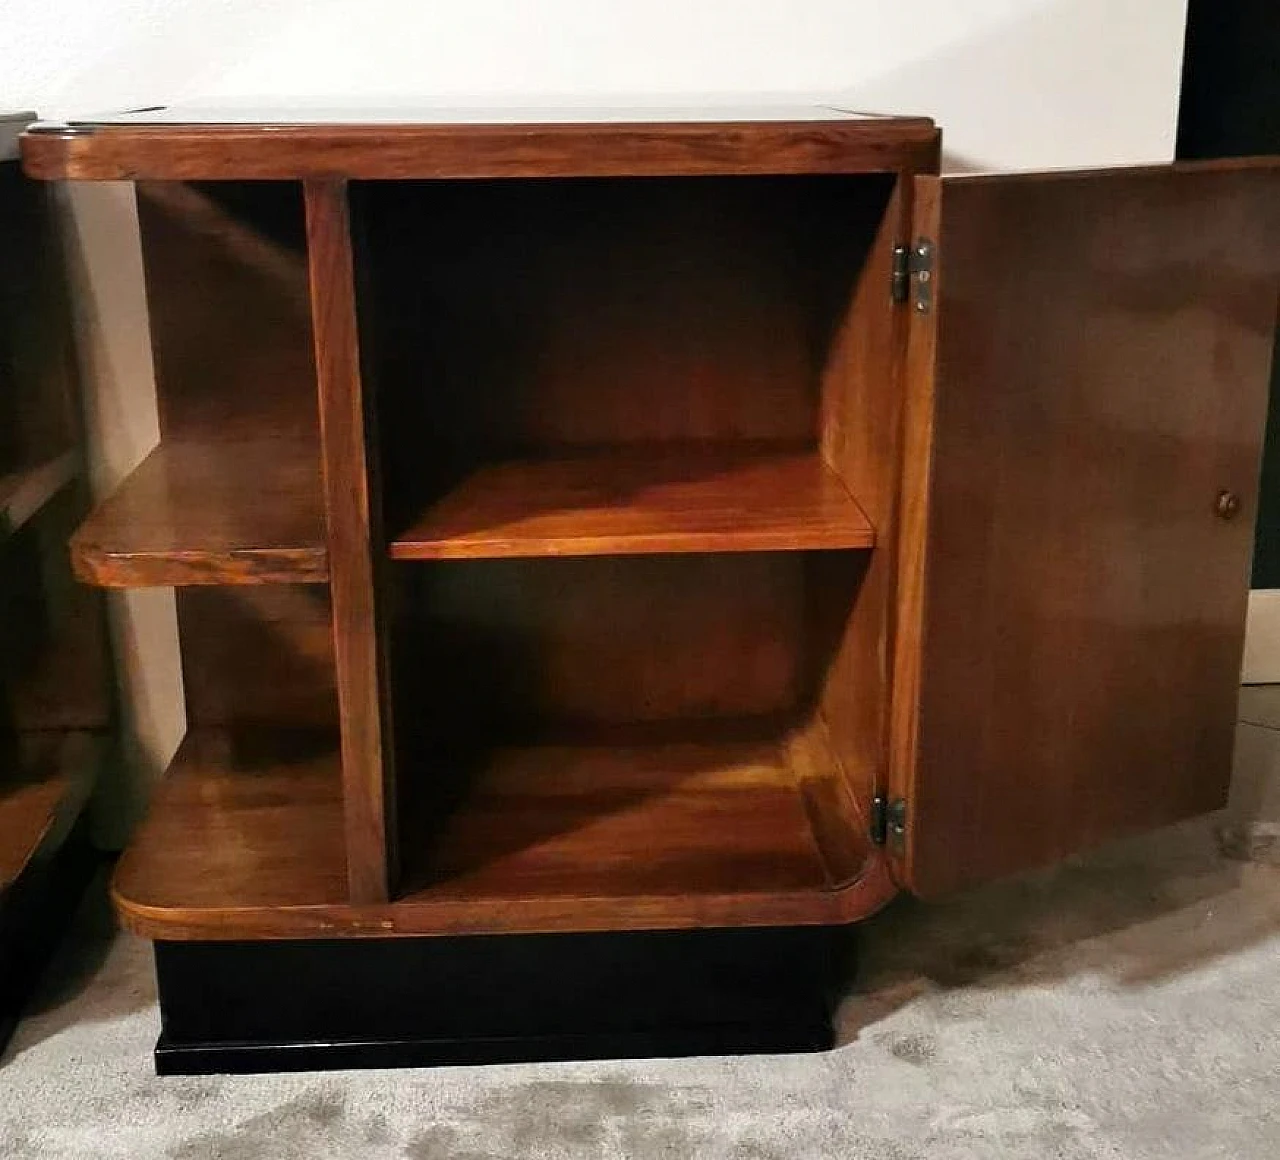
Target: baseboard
1262 639
414 1002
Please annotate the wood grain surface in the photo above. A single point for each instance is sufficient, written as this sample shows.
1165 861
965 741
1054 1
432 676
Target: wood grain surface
626 501
556 379
1072 607
54 659
230 315
47 780
246 841
242 818
557 317
210 513
205 152
511 648
352 512
851 611
229 310
258 654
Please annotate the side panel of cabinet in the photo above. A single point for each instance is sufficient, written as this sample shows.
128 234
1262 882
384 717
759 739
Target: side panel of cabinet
1087 382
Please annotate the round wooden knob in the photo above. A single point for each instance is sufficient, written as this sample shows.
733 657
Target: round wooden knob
1227 505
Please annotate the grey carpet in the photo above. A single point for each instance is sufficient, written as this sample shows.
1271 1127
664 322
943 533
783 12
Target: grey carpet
1124 1006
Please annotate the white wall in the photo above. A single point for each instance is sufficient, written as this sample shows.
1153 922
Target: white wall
1014 83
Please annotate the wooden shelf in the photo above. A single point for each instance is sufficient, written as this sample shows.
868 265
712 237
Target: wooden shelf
210 513
621 502
674 819
240 821
42 797
23 493
244 840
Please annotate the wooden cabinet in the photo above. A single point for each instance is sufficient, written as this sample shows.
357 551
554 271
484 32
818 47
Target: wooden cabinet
601 526
54 706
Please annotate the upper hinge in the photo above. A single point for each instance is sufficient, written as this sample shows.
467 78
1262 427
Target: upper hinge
913 266
888 821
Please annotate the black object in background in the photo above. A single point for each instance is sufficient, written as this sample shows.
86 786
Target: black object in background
1231 106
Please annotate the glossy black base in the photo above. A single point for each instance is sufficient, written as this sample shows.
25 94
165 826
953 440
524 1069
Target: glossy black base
413 1002
34 913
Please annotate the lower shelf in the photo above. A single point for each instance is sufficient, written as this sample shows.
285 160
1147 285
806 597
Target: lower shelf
45 857
411 1002
42 795
244 841
35 910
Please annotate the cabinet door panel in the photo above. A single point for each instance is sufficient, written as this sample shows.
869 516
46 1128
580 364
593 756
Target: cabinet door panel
1090 376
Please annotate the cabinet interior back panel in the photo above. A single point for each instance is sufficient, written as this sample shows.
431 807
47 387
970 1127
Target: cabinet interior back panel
226 270
518 647
522 317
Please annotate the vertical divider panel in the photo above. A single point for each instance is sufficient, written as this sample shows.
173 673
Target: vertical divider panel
860 439
353 512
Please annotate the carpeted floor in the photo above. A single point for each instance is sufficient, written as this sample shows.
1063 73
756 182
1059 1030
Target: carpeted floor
1127 1006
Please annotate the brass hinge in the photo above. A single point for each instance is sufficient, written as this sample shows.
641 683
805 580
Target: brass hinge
888 821
913 265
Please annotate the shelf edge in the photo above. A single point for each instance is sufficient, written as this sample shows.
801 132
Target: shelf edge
853 902
645 544
103 568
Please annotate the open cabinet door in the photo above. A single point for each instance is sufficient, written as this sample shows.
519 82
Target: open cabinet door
1087 380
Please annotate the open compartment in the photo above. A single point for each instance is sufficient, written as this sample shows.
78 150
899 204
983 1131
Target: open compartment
646 730
604 366
228 510
630 443
249 813
232 494
668 385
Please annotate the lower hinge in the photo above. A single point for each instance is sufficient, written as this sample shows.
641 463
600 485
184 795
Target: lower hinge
913 266
888 821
